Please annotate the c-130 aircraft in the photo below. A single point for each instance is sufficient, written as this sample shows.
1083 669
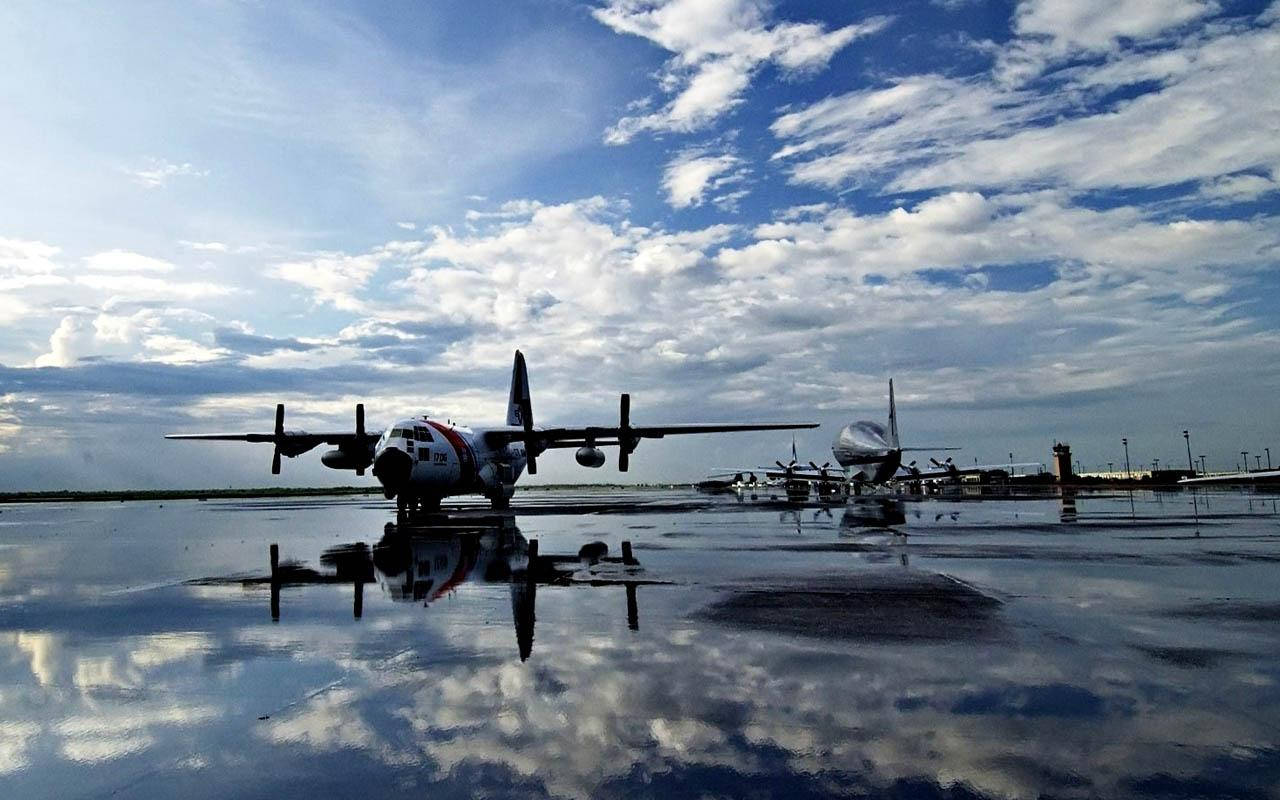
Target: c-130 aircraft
419 460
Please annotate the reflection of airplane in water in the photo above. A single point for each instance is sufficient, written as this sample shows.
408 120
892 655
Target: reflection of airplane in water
429 560
867 453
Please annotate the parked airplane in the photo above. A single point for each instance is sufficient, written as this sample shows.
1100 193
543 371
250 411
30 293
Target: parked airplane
870 453
420 460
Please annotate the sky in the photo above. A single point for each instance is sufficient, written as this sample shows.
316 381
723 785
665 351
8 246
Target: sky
1046 219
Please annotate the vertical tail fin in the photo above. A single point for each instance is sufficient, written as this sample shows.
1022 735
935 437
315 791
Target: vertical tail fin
893 419
519 399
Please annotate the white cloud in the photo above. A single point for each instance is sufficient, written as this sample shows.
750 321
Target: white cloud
205 247
126 288
18 255
1232 188
718 45
158 172
72 340
125 261
1213 113
25 265
334 278
1098 24
692 174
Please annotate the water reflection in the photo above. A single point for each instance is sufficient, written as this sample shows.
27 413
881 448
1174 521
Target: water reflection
427 558
784 672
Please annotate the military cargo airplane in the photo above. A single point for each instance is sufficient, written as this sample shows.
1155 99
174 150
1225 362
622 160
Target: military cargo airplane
420 460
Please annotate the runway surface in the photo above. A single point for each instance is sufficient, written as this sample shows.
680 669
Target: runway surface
1113 645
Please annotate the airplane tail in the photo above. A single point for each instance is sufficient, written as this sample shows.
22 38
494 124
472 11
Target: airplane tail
893 419
518 401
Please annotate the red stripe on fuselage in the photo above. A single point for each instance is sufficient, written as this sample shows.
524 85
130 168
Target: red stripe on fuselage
466 456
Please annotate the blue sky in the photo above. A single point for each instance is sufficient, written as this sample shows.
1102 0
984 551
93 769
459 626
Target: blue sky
1044 219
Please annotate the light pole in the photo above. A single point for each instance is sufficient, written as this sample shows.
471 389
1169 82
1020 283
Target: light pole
1011 465
1191 466
1125 442
1258 460
1268 449
1245 453
1109 463
1203 468
1155 465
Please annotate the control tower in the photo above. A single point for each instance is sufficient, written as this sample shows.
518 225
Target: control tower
1062 461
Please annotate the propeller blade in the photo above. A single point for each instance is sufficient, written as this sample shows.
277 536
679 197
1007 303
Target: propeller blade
360 432
275 455
780 465
816 468
935 462
625 444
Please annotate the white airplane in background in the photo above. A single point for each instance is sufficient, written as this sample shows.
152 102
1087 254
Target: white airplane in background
420 460
870 453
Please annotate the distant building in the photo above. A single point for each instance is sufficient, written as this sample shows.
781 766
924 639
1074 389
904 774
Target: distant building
1062 461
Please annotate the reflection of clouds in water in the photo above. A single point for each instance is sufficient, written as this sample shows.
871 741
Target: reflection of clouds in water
107 705
585 714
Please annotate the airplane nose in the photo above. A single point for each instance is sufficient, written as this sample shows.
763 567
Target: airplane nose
392 468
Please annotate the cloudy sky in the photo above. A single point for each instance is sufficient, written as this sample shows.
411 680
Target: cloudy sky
1048 218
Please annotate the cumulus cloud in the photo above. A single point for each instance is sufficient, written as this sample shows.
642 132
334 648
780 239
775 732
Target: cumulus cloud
72 340
692 174
334 278
718 46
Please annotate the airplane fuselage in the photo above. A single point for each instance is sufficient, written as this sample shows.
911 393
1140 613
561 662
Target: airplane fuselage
864 449
426 459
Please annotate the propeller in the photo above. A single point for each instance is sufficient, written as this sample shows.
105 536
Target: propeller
279 437
360 433
526 418
626 444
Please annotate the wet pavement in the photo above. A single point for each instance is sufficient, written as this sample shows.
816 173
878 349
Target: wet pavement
1105 645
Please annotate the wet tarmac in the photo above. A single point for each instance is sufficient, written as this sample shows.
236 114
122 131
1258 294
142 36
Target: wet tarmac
1103 645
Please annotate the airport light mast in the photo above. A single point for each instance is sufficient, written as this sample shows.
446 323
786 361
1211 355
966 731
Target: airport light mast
1125 442
1190 464
1245 453
1268 449
1203 468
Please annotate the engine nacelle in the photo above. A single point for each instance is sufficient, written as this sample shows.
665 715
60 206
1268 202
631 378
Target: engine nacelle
342 459
590 457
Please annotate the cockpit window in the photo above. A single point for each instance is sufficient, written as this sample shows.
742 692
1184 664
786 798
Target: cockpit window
423 435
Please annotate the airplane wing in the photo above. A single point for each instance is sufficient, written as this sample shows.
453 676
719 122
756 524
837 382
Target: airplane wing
295 443
610 436
1258 476
624 435
908 474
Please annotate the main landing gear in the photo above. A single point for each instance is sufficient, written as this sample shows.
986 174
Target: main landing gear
408 505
